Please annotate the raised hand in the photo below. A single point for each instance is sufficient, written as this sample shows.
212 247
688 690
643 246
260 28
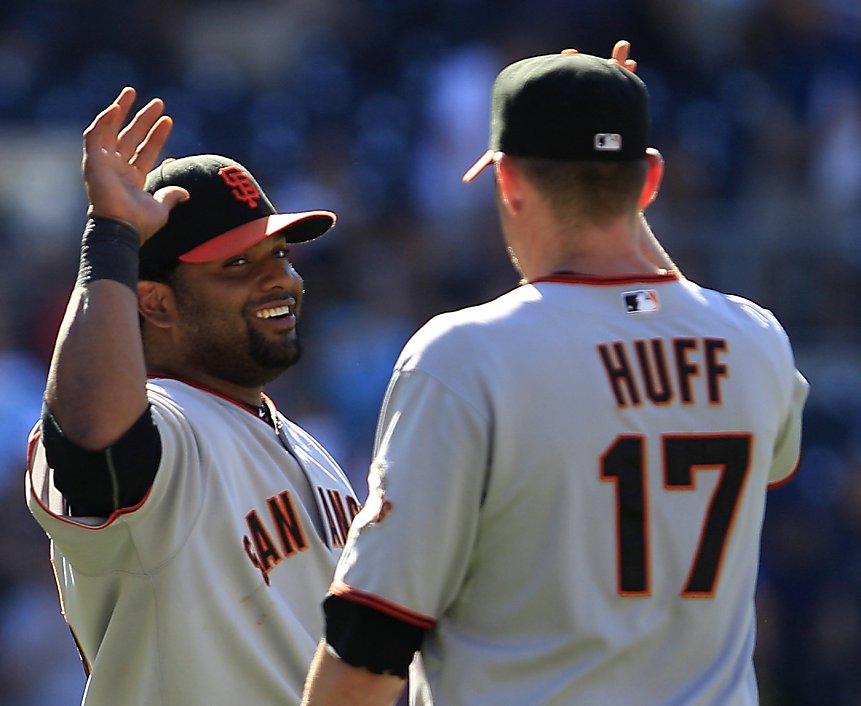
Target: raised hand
620 54
116 161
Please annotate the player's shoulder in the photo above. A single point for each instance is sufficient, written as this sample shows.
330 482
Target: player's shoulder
497 311
188 403
174 393
735 309
470 328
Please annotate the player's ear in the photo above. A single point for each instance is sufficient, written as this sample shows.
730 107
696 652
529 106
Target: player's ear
156 303
654 176
509 183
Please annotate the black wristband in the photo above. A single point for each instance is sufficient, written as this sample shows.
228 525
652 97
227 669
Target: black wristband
109 250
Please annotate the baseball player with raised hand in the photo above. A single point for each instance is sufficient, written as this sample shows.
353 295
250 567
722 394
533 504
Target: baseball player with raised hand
193 527
568 484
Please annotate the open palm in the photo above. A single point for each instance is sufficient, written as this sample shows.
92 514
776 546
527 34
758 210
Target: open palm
116 161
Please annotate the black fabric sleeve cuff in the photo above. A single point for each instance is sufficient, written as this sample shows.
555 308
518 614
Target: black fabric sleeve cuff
98 483
364 637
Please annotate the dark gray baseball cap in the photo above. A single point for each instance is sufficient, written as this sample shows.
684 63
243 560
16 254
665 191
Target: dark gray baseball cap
567 106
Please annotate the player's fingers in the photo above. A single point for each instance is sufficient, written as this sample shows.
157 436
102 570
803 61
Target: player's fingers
126 99
621 51
148 149
569 51
170 196
101 133
133 135
621 55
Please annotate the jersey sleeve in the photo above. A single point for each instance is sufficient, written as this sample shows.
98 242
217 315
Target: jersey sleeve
408 550
787 448
153 528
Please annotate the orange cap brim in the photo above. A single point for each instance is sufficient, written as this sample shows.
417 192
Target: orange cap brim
478 167
299 227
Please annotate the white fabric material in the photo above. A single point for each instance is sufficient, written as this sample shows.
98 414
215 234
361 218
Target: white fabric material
165 600
502 457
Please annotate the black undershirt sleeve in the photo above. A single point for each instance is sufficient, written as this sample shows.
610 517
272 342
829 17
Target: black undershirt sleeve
98 483
364 637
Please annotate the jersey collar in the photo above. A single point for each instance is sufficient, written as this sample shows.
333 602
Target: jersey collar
265 412
606 280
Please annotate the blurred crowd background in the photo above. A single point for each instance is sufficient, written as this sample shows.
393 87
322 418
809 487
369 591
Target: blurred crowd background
374 109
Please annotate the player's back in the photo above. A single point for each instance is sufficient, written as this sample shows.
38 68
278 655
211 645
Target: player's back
635 427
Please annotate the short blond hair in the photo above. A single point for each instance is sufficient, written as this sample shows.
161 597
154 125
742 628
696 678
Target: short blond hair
592 191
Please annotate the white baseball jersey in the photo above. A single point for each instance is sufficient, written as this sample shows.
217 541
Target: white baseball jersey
568 489
207 592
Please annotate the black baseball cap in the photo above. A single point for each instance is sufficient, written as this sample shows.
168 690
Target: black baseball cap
227 212
567 106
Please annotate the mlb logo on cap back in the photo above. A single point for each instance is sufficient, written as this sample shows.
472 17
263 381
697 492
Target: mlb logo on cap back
608 142
227 213
567 106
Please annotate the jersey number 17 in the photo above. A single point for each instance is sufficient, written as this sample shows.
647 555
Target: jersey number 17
624 465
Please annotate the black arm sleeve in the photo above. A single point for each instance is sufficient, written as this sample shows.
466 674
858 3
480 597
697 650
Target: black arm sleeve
364 637
99 483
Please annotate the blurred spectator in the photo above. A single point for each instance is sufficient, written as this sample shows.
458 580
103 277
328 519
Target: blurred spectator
381 106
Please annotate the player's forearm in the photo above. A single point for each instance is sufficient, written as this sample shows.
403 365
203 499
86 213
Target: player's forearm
96 385
332 682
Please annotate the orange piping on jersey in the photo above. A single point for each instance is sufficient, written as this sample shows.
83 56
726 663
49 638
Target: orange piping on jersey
110 519
343 590
35 435
607 281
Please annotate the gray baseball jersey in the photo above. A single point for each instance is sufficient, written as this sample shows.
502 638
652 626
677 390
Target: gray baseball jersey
568 490
209 591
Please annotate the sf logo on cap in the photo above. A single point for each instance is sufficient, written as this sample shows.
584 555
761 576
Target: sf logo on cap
242 187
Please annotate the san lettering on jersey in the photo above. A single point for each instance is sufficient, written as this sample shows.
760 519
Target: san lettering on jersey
662 371
277 532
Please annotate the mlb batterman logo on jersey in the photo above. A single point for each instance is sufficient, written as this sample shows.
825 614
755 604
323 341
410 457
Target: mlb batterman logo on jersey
641 301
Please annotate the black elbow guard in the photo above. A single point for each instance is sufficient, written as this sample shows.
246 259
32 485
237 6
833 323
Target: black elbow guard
365 637
101 482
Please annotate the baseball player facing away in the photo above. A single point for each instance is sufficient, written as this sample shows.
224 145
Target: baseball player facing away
569 482
193 527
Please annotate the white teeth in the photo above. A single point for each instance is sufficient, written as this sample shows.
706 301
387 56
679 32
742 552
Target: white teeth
274 311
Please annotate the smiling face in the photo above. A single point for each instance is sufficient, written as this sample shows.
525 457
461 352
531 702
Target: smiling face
236 318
